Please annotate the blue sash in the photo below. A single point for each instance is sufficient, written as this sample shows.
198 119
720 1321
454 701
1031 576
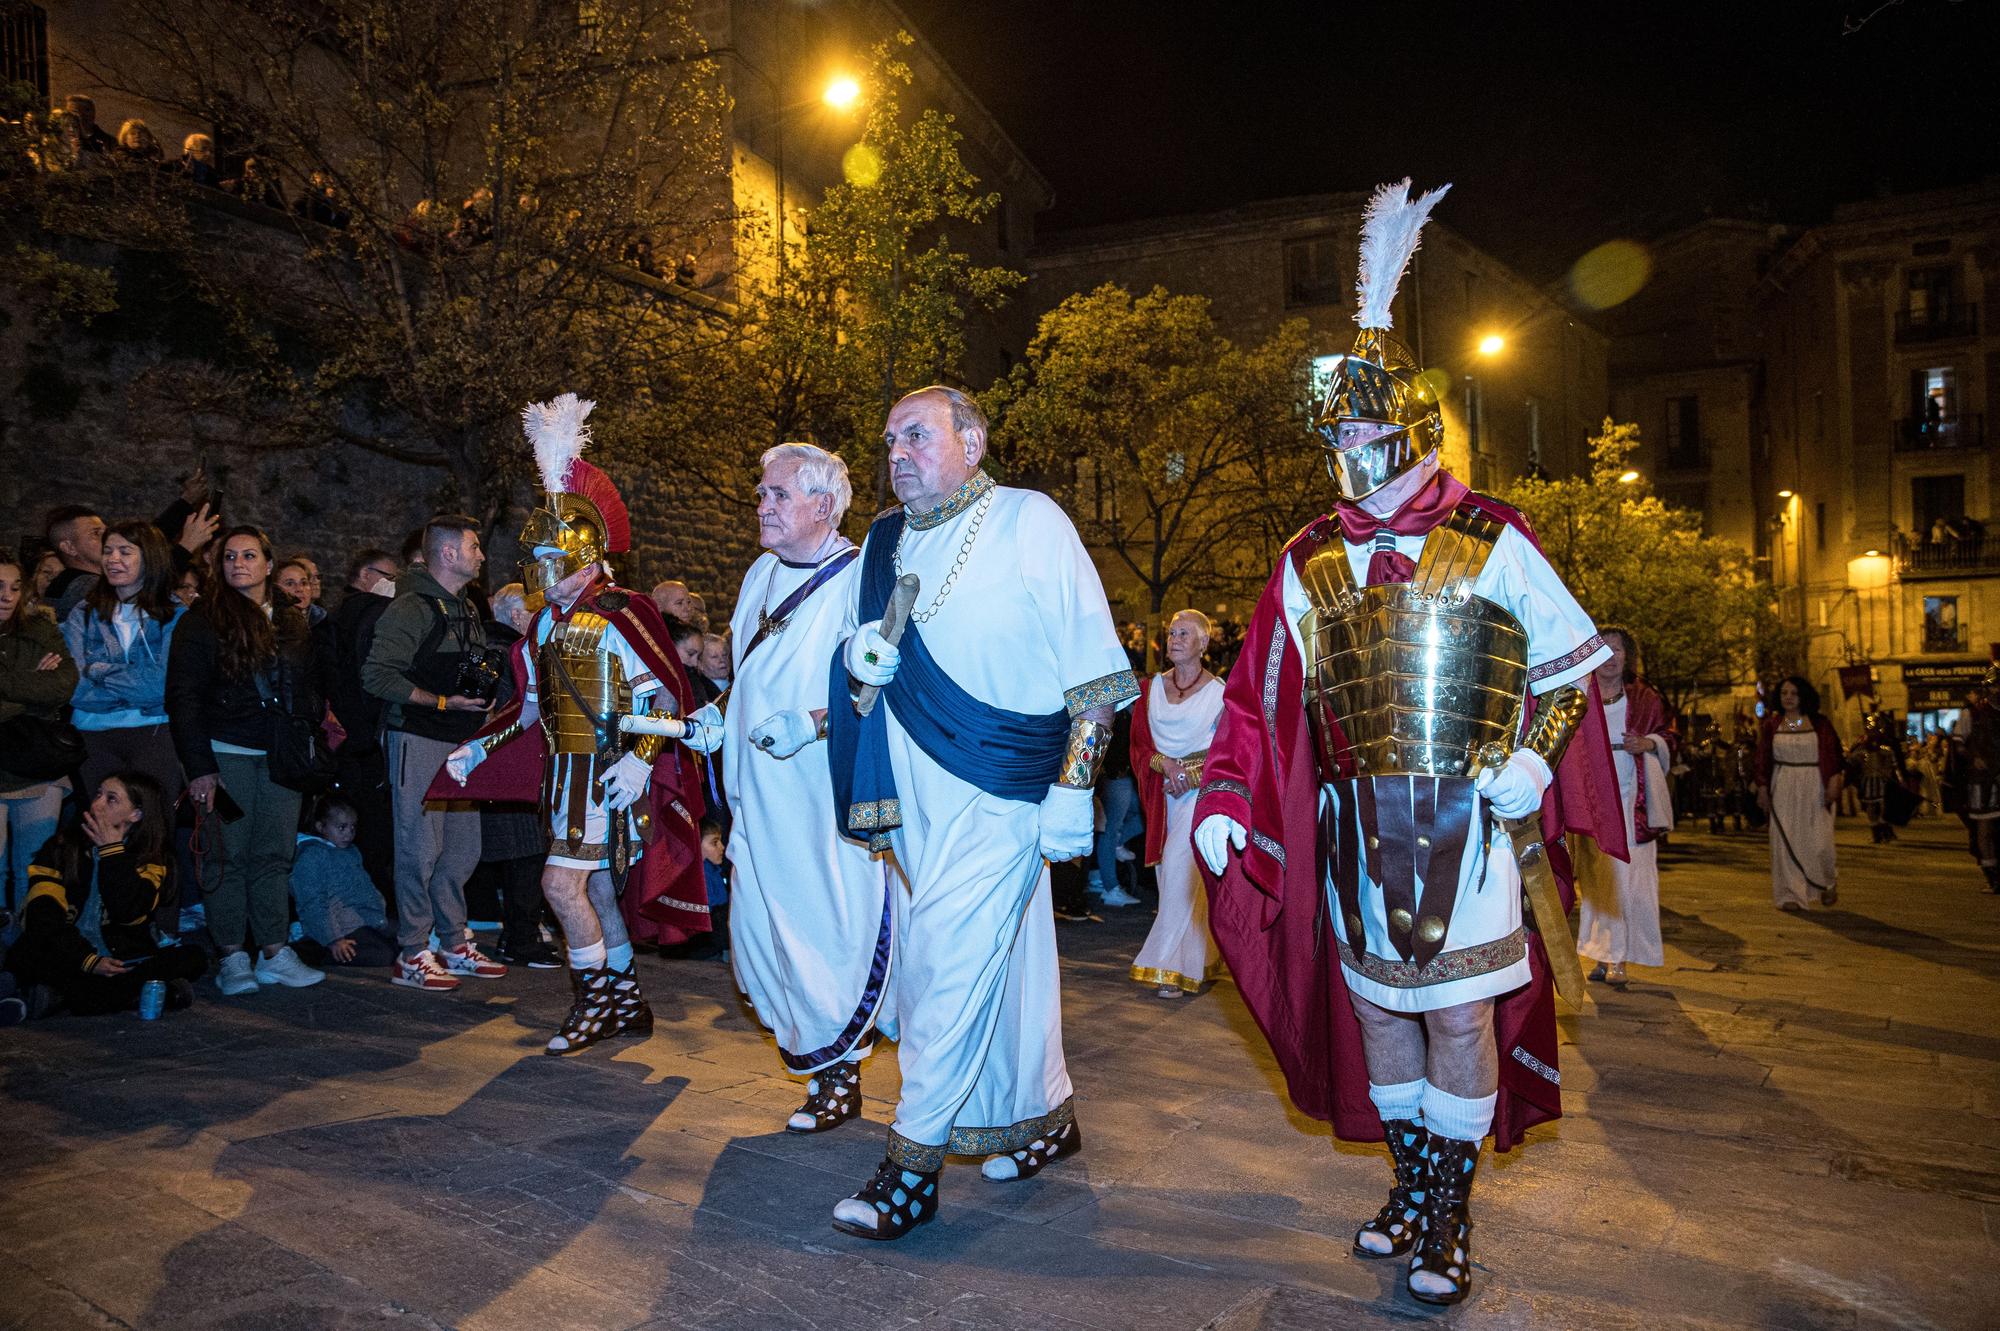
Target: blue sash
1009 754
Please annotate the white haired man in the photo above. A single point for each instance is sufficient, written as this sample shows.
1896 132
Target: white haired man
997 710
810 914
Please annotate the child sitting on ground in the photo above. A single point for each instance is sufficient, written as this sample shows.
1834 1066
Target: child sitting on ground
715 869
87 940
339 909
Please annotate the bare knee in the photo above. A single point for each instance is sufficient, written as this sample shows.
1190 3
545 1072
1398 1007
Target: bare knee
563 885
1464 1023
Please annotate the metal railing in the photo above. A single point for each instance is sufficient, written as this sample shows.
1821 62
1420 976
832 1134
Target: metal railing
1974 552
1938 325
1917 434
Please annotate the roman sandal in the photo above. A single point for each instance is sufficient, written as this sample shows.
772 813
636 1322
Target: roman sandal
1036 1156
1395 1227
895 1202
833 1096
1441 1271
593 1016
632 1014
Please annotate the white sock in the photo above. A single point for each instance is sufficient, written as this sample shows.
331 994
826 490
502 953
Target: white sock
618 958
587 958
1405 1099
1448 1115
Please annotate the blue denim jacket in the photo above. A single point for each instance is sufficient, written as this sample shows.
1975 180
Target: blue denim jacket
116 687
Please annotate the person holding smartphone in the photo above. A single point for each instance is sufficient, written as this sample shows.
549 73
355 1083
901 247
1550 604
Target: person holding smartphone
238 657
87 939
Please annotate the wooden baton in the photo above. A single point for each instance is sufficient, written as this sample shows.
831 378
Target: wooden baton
901 600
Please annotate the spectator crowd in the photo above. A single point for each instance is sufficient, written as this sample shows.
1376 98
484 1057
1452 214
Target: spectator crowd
202 761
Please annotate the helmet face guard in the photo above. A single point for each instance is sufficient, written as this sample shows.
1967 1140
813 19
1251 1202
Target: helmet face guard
564 536
1377 383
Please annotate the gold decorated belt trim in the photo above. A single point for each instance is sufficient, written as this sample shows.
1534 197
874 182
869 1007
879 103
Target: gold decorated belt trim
1463 964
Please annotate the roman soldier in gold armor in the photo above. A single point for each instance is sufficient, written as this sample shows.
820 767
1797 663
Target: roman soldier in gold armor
597 691
1400 718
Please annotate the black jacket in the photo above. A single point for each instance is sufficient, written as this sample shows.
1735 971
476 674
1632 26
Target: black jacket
205 704
51 946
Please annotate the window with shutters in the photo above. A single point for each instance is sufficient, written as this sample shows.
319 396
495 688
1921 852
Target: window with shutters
24 47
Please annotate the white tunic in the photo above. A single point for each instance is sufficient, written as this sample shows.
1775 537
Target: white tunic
1484 953
1619 903
806 904
1179 950
1023 625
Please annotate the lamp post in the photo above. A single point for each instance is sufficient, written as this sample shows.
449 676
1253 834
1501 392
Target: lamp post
842 93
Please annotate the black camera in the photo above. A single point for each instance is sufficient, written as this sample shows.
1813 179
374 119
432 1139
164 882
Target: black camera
479 676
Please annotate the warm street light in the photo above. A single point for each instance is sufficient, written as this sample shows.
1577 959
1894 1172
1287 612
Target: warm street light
1784 494
1628 478
841 93
1492 344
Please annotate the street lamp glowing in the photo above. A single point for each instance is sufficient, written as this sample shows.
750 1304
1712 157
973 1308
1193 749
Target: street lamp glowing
1874 554
1784 494
1628 478
1492 344
841 93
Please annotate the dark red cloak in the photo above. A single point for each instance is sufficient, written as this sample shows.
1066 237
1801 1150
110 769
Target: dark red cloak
666 895
1268 909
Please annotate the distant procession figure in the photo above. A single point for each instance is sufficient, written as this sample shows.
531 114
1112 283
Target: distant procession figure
1173 722
976 769
1799 777
1619 902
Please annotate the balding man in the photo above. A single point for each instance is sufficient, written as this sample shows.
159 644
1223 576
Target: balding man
671 597
977 767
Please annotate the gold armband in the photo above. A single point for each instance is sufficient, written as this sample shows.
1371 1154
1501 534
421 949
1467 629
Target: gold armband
1192 765
1555 721
648 746
1158 764
1089 742
499 737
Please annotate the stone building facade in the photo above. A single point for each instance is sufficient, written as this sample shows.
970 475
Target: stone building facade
1881 479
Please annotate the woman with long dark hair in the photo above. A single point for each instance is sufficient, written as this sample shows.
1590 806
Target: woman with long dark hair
1799 775
1620 902
120 635
87 928
36 678
243 660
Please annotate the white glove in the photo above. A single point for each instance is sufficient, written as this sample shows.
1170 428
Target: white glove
1515 790
626 782
704 729
1217 833
868 642
785 734
1068 822
461 760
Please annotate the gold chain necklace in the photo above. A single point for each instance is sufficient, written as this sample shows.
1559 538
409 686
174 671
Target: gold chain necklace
964 550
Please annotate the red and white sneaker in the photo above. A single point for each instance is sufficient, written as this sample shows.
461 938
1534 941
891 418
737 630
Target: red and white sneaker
424 972
466 959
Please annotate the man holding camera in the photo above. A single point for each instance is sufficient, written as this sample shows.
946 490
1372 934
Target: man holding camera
430 664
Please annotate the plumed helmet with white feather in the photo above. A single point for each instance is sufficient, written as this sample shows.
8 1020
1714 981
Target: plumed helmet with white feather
1377 382
582 519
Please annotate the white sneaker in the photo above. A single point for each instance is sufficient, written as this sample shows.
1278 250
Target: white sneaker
1118 896
1125 854
285 968
236 977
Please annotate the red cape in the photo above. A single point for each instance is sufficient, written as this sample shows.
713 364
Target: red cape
666 895
1268 908
1646 713
1152 786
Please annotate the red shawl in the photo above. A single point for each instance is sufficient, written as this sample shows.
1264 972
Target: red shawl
1831 763
666 895
1646 714
1268 907
1152 786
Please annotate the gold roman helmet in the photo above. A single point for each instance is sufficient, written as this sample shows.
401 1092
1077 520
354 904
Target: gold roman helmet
582 519
1378 383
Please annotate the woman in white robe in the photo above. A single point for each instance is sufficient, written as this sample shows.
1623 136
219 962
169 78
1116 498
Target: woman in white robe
1171 728
1619 911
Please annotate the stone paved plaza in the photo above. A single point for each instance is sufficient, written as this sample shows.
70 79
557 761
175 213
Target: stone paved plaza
1795 1125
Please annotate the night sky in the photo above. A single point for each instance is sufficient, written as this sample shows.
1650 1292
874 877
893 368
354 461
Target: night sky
1560 124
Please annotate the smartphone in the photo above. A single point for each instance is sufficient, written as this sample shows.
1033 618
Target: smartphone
226 808
129 962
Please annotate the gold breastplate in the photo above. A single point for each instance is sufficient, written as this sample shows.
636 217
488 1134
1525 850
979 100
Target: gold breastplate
1409 679
578 645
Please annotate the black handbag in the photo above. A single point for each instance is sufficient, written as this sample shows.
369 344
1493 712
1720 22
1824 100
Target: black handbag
39 749
296 755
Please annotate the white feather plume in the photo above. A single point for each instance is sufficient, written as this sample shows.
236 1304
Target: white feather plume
558 431
1389 232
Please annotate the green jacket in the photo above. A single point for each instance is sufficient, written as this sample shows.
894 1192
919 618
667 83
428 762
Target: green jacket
392 668
25 690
